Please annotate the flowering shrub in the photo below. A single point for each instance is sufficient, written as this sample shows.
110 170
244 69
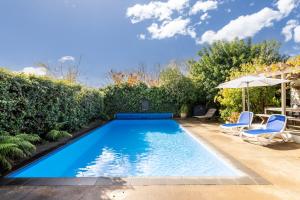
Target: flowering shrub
294 61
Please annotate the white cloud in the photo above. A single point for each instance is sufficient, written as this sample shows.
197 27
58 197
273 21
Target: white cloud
155 10
171 28
39 71
66 58
204 16
237 29
171 18
203 6
287 31
286 6
249 25
297 34
142 36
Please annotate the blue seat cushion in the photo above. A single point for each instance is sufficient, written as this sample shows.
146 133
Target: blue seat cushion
234 125
260 131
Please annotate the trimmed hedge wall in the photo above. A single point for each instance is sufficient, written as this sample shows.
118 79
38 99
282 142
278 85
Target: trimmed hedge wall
128 98
30 104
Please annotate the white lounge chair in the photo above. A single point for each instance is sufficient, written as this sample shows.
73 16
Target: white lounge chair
208 115
275 127
244 121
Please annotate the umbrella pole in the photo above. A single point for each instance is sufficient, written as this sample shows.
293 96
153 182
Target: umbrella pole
248 98
244 99
248 103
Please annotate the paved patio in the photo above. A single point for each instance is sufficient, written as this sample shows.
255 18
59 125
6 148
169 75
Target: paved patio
278 164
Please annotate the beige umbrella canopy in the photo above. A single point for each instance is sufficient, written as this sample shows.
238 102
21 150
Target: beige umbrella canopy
251 81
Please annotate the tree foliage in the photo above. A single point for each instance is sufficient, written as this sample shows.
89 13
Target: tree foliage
219 59
178 86
141 75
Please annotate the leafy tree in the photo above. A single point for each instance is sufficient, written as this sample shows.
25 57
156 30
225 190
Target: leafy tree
219 59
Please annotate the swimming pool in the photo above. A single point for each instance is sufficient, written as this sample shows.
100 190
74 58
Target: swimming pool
131 148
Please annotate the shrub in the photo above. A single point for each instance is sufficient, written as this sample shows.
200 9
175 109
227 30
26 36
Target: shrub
184 108
55 135
294 61
234 117
32 138
15 147
180 91
32 104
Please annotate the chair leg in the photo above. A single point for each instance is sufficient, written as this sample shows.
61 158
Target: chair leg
242 136
240 130
284 138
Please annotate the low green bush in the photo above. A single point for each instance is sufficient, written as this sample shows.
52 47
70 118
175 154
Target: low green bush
15 147
184 108
55 135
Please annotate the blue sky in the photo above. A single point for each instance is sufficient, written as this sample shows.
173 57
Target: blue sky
118 34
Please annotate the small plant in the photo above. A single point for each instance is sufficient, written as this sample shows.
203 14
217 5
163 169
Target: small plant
32 138
15 147
55 135
184 109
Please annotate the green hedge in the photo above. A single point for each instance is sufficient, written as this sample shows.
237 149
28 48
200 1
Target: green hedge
128 98
30 104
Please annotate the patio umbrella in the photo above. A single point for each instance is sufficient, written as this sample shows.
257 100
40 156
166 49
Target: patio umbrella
251 81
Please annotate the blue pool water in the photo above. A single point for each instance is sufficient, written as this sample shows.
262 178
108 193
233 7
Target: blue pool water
125 148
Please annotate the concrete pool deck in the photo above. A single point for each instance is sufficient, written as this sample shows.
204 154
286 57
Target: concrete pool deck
278 164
